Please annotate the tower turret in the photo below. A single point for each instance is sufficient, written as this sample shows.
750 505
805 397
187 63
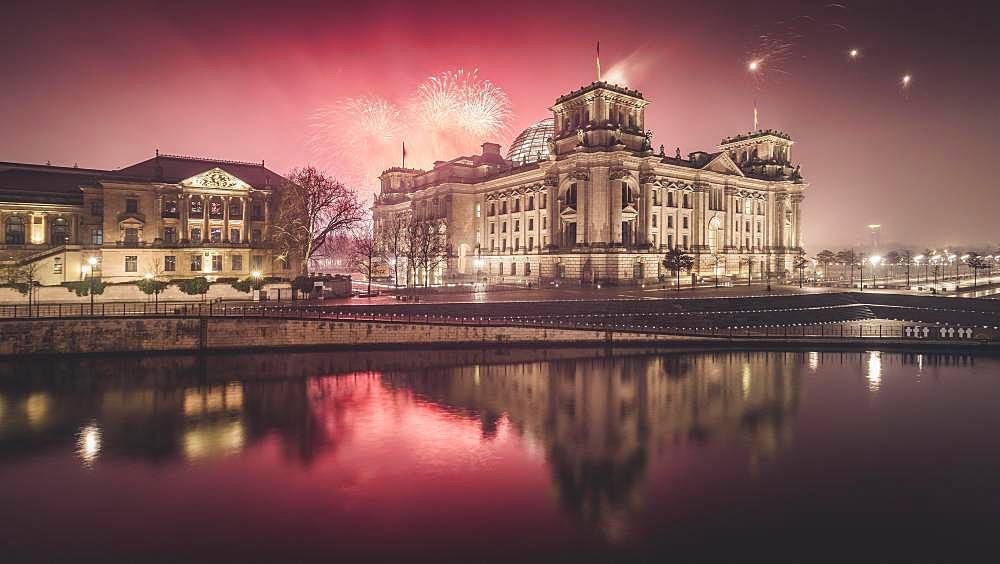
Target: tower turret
600 115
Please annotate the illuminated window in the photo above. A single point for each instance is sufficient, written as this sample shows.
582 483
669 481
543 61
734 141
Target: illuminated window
170 209
215 209
216 263
196 235
215 234
131 263
169 263
59 231
197 208
57 265
256 262
196 263
170 235
97 236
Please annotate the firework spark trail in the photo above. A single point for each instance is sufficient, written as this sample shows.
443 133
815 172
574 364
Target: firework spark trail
774 48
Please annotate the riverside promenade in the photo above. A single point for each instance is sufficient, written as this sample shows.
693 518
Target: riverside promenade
836 319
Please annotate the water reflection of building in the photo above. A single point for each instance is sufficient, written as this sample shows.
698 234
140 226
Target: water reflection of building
602 421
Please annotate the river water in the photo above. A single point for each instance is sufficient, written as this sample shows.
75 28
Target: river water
470 456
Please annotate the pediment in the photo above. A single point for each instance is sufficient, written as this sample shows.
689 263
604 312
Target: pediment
568 211
215 178
722 164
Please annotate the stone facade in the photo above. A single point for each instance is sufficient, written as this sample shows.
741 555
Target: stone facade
600 204
169 216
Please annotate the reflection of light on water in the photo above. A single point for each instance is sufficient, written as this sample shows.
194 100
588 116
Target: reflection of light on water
198 401
813 361
920 363
213 440
874 372
88 443
37 407
745 384
475 376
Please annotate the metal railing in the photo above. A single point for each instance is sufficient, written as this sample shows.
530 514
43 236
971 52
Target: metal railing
856 329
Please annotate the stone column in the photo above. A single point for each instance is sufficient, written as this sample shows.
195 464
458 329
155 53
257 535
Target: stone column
225 219
645 209
610 230
183 205
244 224
583 204
796 220
267 217
206 206
551 210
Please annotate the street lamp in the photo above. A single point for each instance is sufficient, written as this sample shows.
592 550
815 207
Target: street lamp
875 260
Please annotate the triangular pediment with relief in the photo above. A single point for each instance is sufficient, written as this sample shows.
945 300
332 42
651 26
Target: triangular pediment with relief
723 165
215 178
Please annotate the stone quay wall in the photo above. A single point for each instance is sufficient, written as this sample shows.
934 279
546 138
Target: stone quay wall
72 336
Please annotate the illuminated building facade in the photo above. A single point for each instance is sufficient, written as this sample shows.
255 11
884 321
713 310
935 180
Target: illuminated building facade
169 216
599 203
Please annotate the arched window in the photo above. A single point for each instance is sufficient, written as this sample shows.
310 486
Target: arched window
14 230
714 234
571 195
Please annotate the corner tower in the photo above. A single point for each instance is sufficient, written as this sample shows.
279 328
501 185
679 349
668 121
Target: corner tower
600 115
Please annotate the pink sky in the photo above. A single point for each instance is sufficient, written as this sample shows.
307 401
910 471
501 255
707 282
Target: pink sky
105 87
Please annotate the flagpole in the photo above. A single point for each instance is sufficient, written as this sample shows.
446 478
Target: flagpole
598 61
404 154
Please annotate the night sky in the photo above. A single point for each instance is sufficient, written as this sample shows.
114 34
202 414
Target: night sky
105 86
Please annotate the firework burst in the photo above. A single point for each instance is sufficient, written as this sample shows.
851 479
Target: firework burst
449 113
461 100
355 136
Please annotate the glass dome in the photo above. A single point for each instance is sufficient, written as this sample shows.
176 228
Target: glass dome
530 145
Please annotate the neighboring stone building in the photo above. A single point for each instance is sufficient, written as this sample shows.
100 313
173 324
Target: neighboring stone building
595 202
170 216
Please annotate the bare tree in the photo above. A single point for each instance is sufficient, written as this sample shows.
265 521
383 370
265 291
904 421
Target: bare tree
366 253
311 208
412 244
392 238
431 249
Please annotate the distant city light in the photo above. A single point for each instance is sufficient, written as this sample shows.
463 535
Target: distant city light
875 260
